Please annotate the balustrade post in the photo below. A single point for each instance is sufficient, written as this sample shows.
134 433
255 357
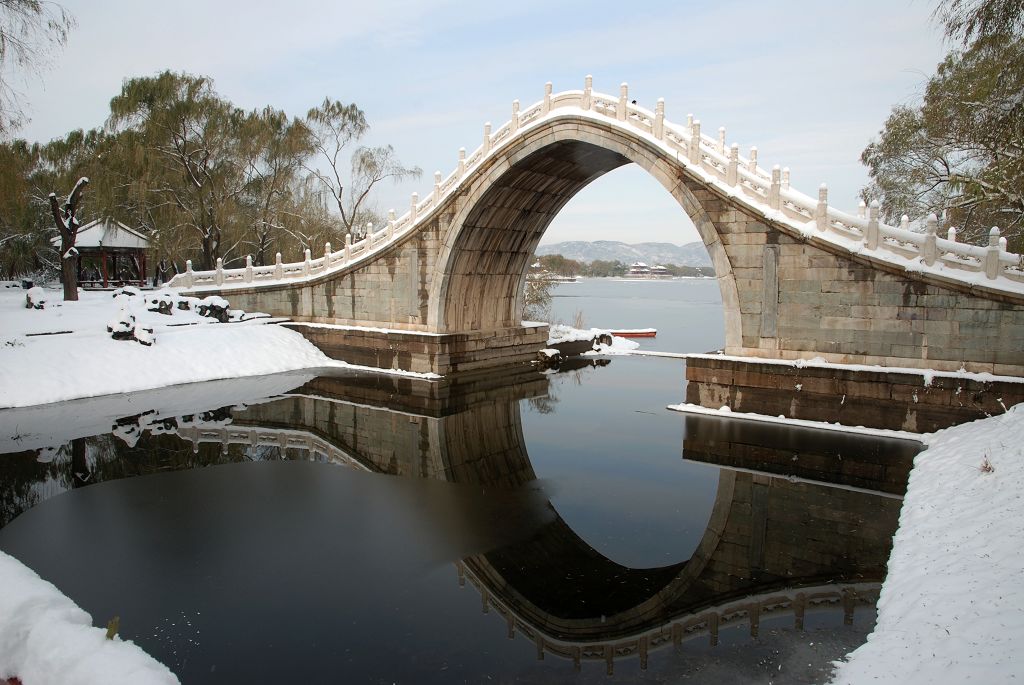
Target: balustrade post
694 149
620 108
278 267
659 119
752 167
189 276
369 234
774 194
905 222
219 273
821 211
487 137
546 107
515 116
930 250
462 162
415 200
391 220
721 140
785 178
327 255
588 89
871 235
732 172
307 258
951 234
992 254
862 209
248 268
437 187
348 247
1002 243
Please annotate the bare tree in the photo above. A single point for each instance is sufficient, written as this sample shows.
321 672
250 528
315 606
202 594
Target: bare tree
334 127
67 225
29 29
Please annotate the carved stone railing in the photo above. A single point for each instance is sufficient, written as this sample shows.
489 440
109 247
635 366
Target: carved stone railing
767 193
709 622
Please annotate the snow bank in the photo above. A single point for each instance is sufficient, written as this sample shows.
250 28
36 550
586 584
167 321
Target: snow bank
46 638
950 609
560 333
65 351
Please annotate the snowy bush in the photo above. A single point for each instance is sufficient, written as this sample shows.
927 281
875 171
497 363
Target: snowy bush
35 298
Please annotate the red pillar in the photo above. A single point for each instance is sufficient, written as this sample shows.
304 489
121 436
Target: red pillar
103 260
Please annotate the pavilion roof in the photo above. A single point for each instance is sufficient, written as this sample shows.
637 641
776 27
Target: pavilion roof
108 233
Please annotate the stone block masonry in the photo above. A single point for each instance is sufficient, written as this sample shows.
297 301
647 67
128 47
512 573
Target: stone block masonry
787 293
896 400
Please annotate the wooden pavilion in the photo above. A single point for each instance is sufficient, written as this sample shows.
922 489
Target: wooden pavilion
110 254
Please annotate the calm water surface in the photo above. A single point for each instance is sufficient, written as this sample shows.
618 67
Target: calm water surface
687 312
529 528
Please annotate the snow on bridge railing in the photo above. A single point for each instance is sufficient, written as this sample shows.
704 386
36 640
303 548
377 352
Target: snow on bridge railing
766 192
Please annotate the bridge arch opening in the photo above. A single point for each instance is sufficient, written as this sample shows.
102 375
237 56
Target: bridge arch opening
499 221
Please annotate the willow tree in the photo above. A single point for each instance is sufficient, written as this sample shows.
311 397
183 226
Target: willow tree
29 31
23 238
335 127
192 165
275 149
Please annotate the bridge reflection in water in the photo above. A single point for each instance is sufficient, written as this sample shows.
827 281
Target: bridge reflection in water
800 521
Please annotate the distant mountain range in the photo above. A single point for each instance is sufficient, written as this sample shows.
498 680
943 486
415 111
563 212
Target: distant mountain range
691 254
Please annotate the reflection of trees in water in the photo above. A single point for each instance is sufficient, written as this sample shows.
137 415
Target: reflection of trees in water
30 477
572 370
543 404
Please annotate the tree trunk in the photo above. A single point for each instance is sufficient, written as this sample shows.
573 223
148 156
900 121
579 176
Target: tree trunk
67 225
68 272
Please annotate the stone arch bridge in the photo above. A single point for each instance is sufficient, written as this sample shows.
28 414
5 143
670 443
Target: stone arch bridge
439 289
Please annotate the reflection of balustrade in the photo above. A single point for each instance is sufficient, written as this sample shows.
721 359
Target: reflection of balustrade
767 193
268 437
685 627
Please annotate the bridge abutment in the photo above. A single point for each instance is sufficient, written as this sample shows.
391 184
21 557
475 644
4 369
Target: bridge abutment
895 399
422 352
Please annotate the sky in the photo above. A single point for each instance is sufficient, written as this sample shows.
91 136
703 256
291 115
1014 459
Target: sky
809 82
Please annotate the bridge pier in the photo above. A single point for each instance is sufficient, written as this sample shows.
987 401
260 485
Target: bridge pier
874 397
422 352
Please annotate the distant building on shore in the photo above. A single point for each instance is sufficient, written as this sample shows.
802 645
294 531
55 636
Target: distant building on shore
641 270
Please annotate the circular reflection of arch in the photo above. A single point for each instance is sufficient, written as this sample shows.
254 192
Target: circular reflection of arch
501 218
483 444
607 600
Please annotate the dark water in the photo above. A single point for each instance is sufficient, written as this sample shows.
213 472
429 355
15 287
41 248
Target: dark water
522 528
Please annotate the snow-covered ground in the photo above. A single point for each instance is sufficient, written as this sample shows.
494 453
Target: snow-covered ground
952 605
46 639
64 351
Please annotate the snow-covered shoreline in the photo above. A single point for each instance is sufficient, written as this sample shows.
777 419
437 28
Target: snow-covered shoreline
951 608
47 639
64 351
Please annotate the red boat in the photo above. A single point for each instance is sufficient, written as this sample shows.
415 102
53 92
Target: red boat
636 333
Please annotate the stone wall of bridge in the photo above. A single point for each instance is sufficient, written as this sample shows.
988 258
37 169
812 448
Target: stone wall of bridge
787 293
796 300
